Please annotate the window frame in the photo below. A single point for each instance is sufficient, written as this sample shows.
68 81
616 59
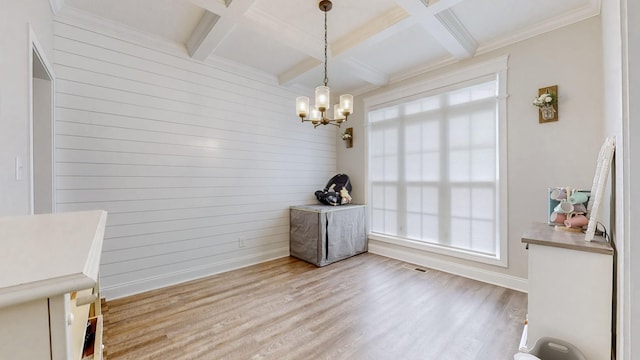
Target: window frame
437 84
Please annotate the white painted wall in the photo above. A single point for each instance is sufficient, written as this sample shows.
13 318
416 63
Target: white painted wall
15 49
188 158
631 17
561 153
621 52
615 216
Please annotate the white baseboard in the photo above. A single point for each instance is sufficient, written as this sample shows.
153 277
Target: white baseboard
140 286
423 258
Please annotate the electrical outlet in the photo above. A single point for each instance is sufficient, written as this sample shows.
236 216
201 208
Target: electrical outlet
241 242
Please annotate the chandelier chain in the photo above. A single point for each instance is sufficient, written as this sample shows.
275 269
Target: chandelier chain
326 79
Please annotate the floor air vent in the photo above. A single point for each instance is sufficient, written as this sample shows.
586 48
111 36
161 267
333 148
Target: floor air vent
413 267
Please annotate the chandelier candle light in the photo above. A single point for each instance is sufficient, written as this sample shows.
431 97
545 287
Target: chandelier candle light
318 115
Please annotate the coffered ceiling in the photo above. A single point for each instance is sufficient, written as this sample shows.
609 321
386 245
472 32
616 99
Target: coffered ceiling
371 42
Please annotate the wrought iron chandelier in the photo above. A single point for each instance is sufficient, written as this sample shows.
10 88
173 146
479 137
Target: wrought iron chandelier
319 114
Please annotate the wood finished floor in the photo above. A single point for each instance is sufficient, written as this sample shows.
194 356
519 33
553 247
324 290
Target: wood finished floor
365 307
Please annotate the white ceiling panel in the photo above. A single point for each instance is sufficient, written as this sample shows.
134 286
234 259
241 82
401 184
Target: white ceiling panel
408 49
251 47
170 19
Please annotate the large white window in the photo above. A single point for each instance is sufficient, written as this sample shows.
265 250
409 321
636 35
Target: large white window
436 166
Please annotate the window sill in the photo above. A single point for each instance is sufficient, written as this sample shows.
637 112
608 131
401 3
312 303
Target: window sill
442 250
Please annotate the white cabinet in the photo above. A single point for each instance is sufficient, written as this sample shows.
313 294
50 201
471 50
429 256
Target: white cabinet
49 284
570 289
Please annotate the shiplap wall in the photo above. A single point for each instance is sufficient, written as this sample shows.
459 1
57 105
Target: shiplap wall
189 159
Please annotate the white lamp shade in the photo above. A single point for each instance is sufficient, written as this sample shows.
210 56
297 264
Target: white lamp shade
322 98
337 112
315 115
346 104
302 106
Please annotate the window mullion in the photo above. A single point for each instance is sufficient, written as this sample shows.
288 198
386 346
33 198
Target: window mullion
402 181
444 198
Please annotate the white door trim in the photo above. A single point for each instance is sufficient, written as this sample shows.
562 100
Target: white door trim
36 48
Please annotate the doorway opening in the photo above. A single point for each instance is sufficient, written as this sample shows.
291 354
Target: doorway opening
41 132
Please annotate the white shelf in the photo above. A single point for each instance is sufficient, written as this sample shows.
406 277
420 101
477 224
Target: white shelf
50 254
45 258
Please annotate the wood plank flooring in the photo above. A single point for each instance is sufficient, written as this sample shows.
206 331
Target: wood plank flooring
365 307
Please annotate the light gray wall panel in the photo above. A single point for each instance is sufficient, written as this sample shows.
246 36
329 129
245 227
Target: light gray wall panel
196 162
164 204
214 235
150 268
128 254
144 147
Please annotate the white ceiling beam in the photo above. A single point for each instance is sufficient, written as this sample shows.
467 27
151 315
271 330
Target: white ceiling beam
217 7
200 44
56 6
440 21
451 34
218 21
436 6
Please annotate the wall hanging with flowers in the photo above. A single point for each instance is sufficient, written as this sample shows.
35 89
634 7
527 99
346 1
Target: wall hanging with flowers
347 136
547 103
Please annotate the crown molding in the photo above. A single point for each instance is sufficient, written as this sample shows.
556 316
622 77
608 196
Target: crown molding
450 60
363 90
